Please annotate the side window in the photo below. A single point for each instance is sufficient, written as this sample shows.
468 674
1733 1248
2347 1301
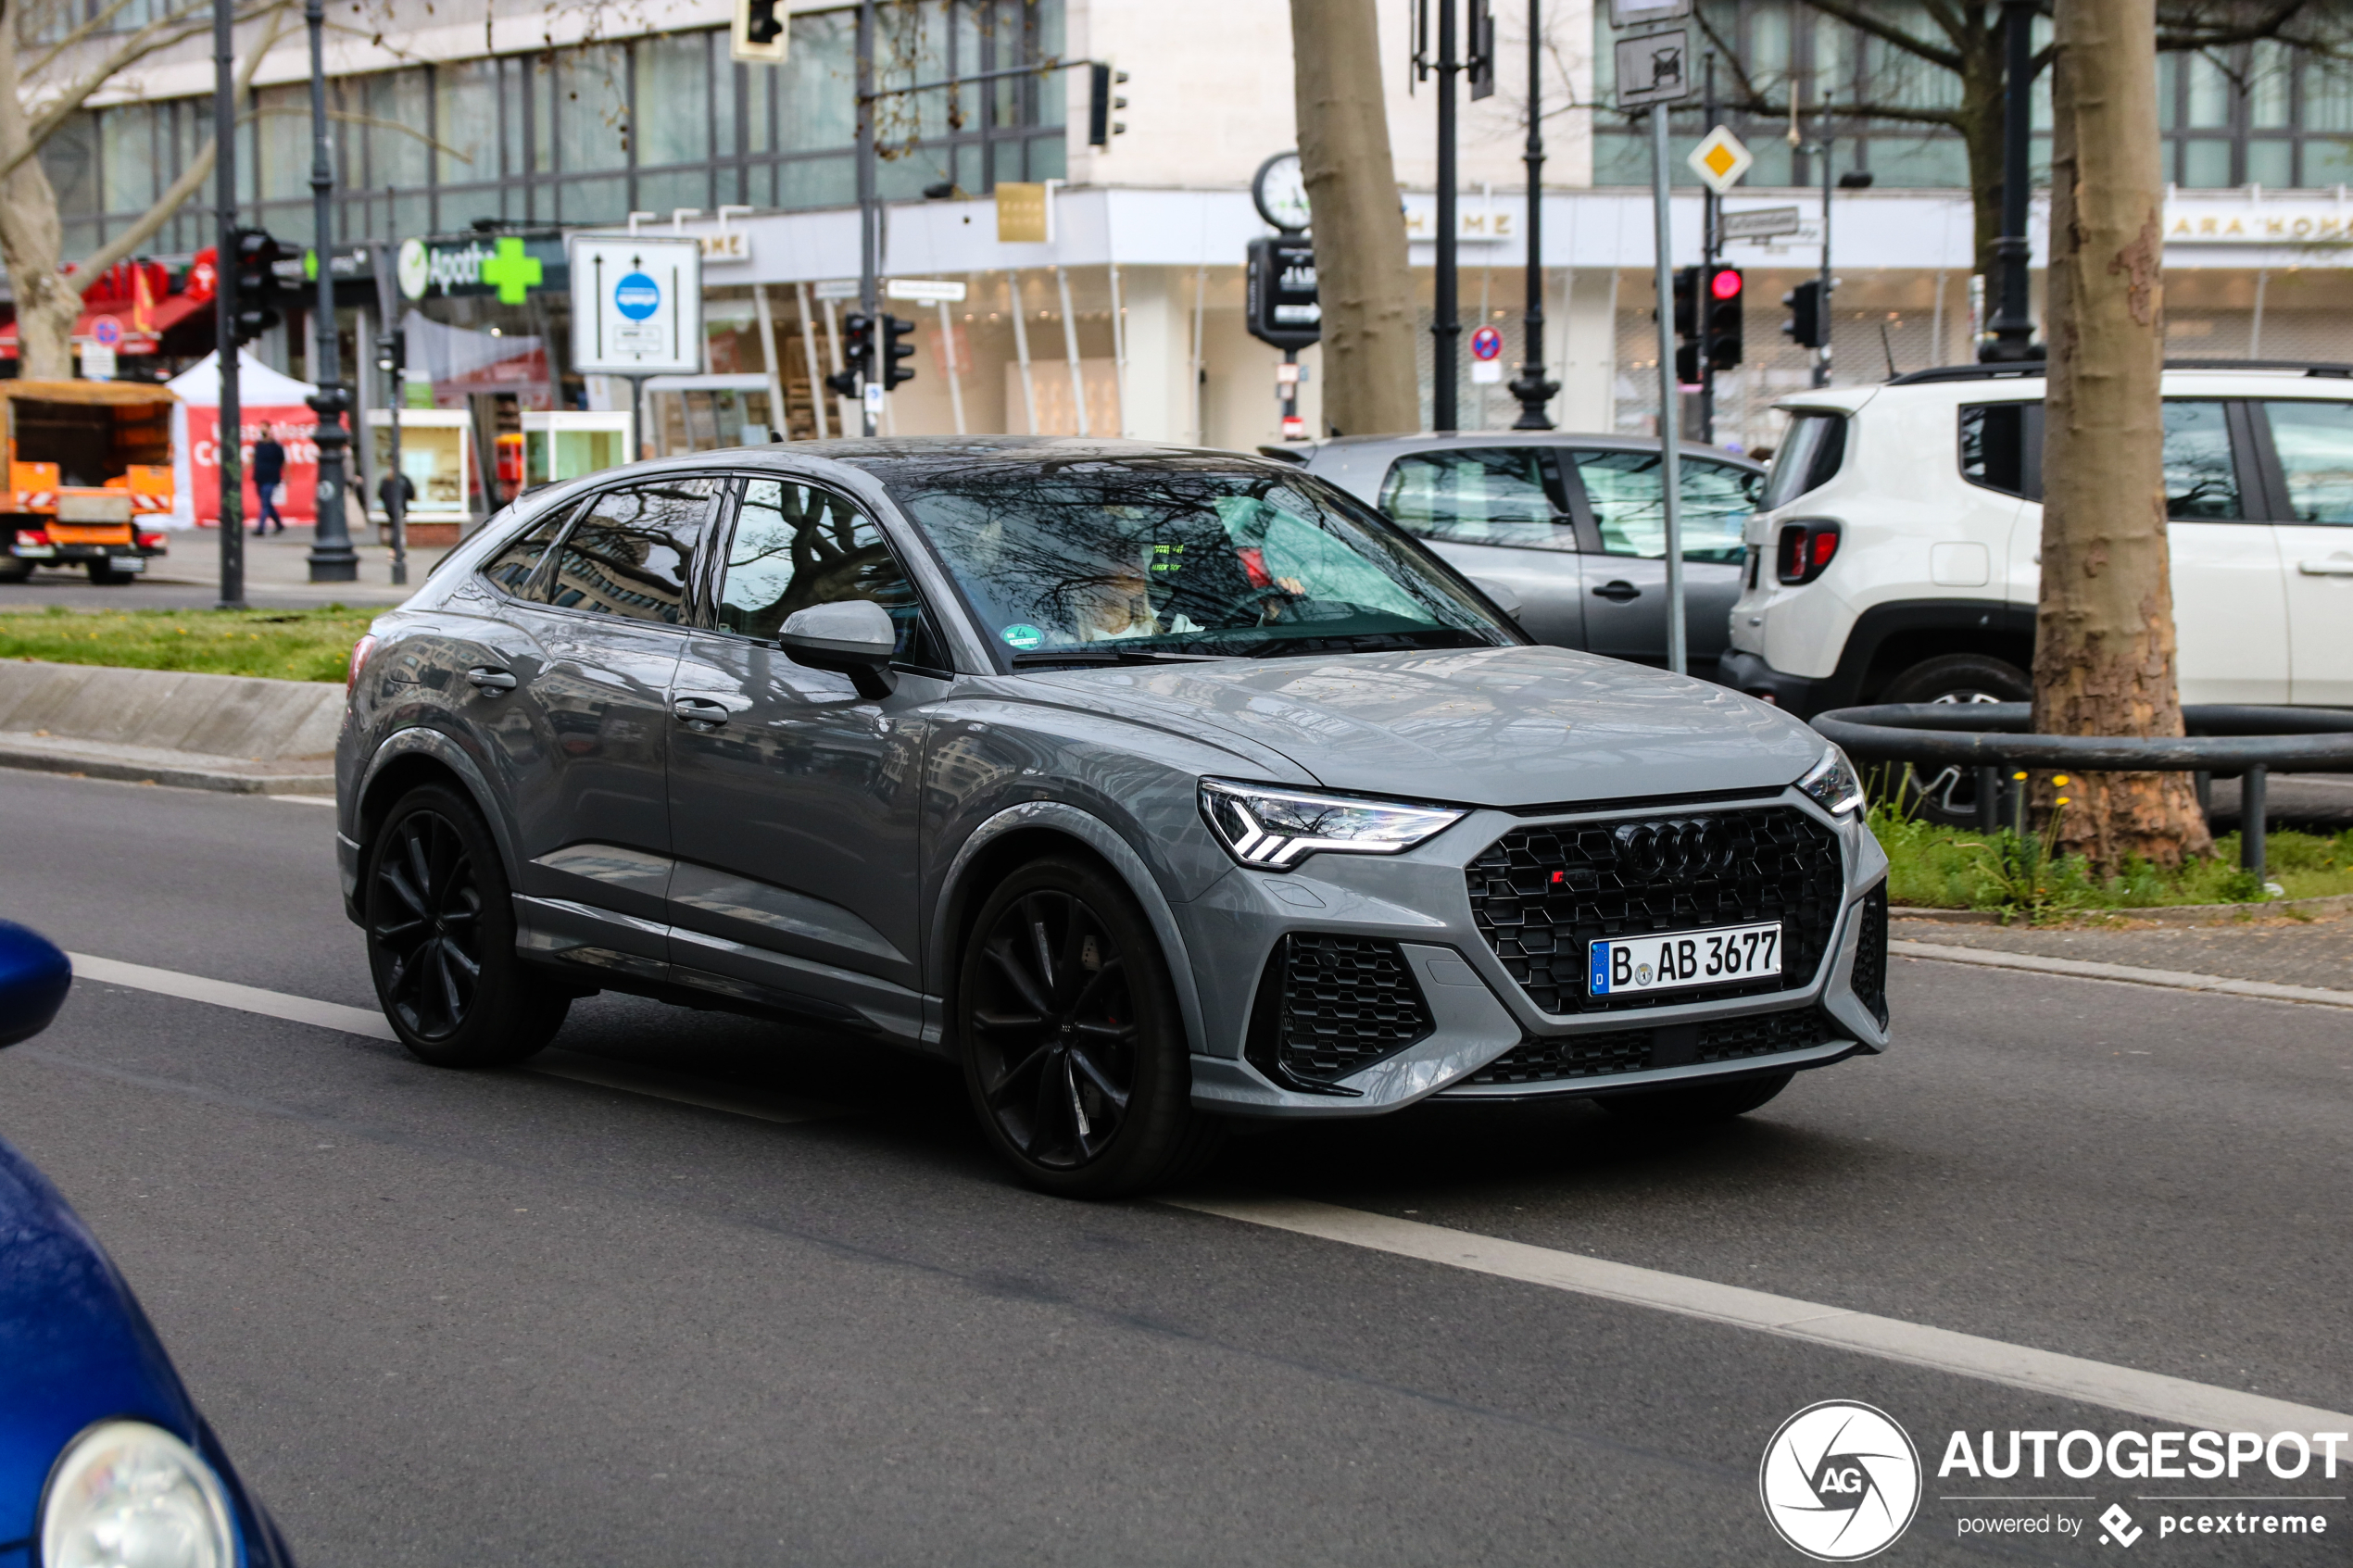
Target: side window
1810 457
1495 496
1993 443
511 569
798 545
628 551
2315 444
2201 482
1624 490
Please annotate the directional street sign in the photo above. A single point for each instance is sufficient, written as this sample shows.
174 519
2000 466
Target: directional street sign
1761 223
931 291
1719 160
637 305
1655 68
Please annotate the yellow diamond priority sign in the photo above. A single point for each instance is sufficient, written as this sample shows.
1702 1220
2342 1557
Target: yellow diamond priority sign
1719 160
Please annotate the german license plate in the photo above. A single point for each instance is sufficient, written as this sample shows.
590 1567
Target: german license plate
127 563
1683 958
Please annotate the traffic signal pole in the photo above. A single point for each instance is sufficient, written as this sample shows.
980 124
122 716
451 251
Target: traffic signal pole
1822 355
1670 392
1446 329
1710 246
869 210
331 557
228 438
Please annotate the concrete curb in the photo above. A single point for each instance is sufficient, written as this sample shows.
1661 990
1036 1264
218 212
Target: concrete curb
2161 914
2081 968
242 734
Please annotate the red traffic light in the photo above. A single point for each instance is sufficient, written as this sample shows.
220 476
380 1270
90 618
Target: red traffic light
1725 284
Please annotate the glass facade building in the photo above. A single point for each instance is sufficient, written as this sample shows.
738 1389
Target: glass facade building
589 133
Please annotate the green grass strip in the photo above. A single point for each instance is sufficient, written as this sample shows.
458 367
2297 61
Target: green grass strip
286 645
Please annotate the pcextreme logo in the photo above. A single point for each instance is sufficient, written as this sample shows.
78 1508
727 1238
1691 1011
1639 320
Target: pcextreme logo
1840 1481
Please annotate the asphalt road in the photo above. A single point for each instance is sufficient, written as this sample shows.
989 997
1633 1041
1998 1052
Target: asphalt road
519 1318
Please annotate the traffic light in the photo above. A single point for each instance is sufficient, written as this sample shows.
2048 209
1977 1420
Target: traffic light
1100 101
1480 67
760 31
1687 302
1807 319
856 354
1687 364
1726 295
256 262
896 333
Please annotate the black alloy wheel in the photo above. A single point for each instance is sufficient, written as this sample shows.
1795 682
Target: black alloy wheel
1075 1057
427 917
441 939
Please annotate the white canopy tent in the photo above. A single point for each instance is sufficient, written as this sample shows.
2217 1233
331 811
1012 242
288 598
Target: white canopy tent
259 387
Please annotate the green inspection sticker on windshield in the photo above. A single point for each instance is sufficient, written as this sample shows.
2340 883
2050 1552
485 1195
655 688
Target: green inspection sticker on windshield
1022 636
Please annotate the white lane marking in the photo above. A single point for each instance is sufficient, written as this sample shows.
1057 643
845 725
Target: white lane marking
1947 952
226 994
305 799
649 1082
2042 1371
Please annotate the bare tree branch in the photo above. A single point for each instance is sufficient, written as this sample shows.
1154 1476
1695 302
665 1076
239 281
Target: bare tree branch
1862 20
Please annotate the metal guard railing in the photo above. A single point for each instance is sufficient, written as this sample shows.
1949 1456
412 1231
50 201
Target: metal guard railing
1992 739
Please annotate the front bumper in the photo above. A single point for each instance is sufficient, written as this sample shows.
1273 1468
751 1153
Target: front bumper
1476 1012
1748 672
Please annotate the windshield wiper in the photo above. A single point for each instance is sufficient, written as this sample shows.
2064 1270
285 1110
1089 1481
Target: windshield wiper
1101 657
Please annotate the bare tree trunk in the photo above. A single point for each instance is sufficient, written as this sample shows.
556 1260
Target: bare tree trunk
1361 279
31 243
1980 127
2104 657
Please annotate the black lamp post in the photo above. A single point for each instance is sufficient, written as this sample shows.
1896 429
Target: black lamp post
2010 336
1531 387
331 557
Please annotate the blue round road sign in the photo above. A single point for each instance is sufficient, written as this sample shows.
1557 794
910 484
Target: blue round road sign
1486 343
636 296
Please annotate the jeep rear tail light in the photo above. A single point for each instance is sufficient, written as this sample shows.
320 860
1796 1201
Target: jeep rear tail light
1806 549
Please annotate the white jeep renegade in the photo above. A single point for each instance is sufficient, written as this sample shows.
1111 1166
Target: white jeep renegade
1894 556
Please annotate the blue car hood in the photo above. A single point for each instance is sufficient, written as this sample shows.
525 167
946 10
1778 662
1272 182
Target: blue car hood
74 1346
1498 726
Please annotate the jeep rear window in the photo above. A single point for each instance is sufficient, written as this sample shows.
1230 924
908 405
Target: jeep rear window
1809 457
1995 439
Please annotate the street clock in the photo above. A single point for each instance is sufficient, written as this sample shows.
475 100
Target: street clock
1280 190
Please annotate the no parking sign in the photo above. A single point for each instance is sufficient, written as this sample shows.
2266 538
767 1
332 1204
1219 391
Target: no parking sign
1487 355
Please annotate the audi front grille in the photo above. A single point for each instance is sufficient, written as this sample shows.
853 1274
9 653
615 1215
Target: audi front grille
1540 894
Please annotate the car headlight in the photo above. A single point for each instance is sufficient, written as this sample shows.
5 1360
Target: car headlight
127 1493
1835 782
1275 829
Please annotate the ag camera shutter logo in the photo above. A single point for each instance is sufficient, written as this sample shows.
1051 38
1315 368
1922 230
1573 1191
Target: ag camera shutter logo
1840 1481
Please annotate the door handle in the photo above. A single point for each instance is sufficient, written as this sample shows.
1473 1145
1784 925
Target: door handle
699 710
2337 568
491 681
1619 590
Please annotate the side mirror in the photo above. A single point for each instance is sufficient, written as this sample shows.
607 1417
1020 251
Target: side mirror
1501 597
34 978
852 637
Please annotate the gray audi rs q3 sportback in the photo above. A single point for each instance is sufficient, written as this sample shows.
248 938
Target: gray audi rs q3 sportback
1155 787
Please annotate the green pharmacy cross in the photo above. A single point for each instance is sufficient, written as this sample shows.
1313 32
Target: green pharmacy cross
511 272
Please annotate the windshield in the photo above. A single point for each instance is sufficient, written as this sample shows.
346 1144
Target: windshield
1175 557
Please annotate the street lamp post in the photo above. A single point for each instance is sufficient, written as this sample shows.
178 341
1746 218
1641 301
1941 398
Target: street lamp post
1532 388
1446 329
2011 335
229 434
331 557
869 214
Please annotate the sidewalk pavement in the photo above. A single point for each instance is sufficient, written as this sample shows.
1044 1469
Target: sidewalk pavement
277 577
2315 951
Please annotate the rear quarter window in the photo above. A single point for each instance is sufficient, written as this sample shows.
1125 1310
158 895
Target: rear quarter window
1810 457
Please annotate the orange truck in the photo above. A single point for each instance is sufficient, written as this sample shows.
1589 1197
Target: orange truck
89 476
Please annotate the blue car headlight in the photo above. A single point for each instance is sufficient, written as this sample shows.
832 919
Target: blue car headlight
125 1493
1273 830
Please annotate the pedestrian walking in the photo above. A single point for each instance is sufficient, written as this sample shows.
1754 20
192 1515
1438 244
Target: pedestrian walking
269 473
401 484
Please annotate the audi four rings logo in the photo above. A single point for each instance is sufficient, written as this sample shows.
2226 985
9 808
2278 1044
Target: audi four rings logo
1675 848
1840 1481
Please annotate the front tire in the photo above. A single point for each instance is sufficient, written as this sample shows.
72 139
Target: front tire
14 569
1074 1052
1702 1105
441 939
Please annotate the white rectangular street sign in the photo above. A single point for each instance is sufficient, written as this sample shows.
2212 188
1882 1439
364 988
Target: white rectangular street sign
1642 13
836 288
637 305
926 291
1653 69
1761 223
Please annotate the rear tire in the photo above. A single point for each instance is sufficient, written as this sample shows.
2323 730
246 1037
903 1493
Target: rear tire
441 939
1949 795
1702 1105
1075 1054
104 576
